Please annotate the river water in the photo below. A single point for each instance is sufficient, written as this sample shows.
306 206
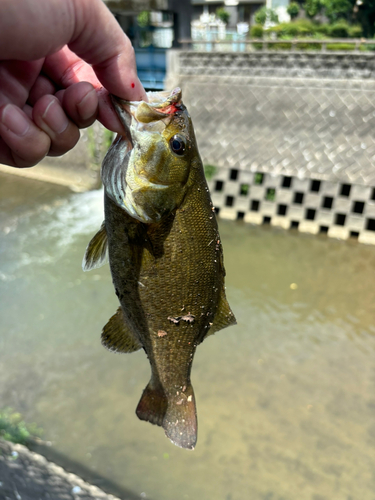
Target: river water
286 401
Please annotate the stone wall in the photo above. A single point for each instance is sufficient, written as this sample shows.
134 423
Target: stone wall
291 136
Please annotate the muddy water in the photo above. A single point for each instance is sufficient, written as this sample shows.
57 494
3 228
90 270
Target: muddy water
286 400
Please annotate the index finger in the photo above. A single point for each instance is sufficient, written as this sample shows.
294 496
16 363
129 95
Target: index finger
65 69
100 41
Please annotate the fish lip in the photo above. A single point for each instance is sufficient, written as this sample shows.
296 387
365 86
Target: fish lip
162 103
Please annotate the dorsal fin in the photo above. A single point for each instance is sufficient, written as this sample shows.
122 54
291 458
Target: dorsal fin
117 336
223 317
96 251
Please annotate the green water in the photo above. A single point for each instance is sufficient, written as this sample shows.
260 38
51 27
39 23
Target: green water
286 399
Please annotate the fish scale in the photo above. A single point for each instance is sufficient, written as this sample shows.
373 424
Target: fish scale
165 256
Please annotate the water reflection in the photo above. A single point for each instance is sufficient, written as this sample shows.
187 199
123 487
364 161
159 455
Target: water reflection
285 399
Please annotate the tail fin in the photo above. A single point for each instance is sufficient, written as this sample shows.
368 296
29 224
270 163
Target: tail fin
176 414
180 421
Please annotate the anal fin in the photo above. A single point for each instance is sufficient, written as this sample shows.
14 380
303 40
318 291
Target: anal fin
117 336
96 251
224 316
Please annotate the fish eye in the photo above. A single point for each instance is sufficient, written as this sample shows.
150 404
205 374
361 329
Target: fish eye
178 145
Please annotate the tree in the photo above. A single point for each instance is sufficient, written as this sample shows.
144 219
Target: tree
223 15
293 9
338 9
313 7
262 14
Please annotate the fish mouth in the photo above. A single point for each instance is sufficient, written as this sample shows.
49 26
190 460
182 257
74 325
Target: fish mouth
151 116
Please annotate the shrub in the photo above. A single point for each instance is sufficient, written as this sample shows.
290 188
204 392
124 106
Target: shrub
339 29
278 30
263 13
290 29
302 27
293 9
256 31
13 428
322 29
223 15
355 31
340 46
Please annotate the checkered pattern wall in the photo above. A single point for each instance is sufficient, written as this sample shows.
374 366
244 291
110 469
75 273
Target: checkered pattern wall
309 205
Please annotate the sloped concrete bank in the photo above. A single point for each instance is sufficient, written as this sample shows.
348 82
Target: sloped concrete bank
25 475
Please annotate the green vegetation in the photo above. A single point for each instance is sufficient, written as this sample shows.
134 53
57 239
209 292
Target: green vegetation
258 178
293 9
244 189
13 427
263 14
347 19
312 8
209 171
223 15
256 31
143 19
270 194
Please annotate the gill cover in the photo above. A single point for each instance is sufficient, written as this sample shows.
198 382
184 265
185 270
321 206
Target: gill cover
146 172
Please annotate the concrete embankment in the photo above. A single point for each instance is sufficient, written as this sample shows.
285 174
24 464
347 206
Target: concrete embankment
25 475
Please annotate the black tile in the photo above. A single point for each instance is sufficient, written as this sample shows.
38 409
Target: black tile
323 229
354 234
310 214
370 226
373 194
254 206
240 215
327 202
229 200
233 175
298 198
219 185
315 186
294 224
287 182
282 209
358 207
340 219
217 210
266 220
345 189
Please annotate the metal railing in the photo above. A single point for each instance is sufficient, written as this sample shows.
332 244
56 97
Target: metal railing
266 44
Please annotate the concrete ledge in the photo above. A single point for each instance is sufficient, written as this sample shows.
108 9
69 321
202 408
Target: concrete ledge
80 180
29 476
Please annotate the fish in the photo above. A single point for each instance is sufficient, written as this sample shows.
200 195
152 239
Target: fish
161 238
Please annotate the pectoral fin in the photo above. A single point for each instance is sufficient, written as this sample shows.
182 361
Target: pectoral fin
96 251
117 337
223 317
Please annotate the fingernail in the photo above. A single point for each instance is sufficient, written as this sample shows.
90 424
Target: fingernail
87 106
55 117
13 119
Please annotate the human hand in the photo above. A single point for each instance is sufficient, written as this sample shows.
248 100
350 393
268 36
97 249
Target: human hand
59 59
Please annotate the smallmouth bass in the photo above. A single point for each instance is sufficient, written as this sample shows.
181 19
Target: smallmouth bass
165 255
